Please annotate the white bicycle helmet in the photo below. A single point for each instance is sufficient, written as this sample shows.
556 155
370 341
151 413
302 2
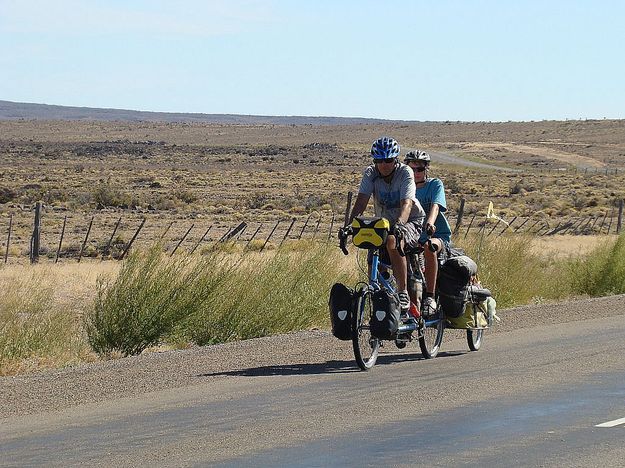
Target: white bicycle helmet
417 155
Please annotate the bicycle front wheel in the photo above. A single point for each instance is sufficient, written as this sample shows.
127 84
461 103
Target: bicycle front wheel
366 346
431 336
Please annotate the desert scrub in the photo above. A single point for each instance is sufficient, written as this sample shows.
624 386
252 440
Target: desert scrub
148 299
211 298
514 274
36 329
282 291
602 271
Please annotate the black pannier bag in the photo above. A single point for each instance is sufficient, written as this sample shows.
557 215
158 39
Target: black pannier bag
341 309
454 277
385 320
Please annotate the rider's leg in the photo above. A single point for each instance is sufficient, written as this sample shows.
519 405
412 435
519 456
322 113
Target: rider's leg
431 266
400 270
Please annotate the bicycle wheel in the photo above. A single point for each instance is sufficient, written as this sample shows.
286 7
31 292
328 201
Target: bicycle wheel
431 337
366 347
474 339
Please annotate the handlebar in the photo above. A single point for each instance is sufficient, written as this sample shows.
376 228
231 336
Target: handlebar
343 234
346 231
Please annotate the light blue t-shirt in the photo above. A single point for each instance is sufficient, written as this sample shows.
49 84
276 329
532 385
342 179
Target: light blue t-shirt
434 192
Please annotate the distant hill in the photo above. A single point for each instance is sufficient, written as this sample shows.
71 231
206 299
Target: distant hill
20 110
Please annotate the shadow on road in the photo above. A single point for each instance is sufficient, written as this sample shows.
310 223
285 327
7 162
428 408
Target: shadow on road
329 367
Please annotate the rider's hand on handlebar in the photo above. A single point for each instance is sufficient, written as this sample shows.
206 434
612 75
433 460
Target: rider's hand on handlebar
430 229
344 232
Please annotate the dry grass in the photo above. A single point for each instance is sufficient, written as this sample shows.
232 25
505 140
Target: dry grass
41 315
563 246
220 175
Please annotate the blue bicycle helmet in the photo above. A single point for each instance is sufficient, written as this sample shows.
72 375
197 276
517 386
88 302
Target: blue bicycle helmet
385 148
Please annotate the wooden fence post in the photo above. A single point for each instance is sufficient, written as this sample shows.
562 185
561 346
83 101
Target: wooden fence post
331 226
181 240
348 208
222 238
288 231
253 235
611 219
233 232
532 226
317 227
619 221
304 226
6 253
35 240
241 233
200 241
493 228
270 234
508 226
166 231
132 240
470 224
58 250
460 215
108 245
521 225
82 248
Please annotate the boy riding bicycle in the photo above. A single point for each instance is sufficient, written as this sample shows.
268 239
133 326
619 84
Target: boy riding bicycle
431 194
392 185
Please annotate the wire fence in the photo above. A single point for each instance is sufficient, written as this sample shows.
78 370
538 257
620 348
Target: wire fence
98 235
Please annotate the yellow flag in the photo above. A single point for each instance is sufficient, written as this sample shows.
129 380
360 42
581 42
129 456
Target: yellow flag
490 214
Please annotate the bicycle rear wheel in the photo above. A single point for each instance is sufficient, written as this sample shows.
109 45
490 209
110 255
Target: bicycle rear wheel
474 339
431 336
366 347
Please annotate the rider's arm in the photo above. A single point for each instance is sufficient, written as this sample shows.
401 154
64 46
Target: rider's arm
360 205
431 219
405 206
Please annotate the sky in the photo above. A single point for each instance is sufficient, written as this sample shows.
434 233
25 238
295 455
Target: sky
420 60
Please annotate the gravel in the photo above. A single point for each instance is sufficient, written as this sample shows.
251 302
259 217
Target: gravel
133 376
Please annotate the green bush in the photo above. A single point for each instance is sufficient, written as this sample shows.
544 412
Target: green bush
150 296
602 271
284 291
211 299
514 274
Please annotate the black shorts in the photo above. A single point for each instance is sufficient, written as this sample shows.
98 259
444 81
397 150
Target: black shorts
411 242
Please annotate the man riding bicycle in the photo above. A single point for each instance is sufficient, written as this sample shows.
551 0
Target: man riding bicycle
393 188
431 194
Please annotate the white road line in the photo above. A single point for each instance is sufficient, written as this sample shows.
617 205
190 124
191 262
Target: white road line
616 422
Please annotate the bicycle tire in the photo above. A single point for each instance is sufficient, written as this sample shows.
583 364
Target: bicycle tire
366 347
474 339
431 338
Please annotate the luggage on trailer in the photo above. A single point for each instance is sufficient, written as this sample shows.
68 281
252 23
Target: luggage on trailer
454 278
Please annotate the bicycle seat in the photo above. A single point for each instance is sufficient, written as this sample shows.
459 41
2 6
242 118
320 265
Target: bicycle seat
479 294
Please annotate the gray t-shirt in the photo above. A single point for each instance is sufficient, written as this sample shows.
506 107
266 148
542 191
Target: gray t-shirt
387 195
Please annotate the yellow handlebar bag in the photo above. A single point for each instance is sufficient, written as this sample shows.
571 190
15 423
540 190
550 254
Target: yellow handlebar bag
370 233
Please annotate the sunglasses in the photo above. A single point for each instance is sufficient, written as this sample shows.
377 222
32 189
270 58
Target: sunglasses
384 161
419 169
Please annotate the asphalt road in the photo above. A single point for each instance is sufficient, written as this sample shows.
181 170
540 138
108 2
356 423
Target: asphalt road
532 396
